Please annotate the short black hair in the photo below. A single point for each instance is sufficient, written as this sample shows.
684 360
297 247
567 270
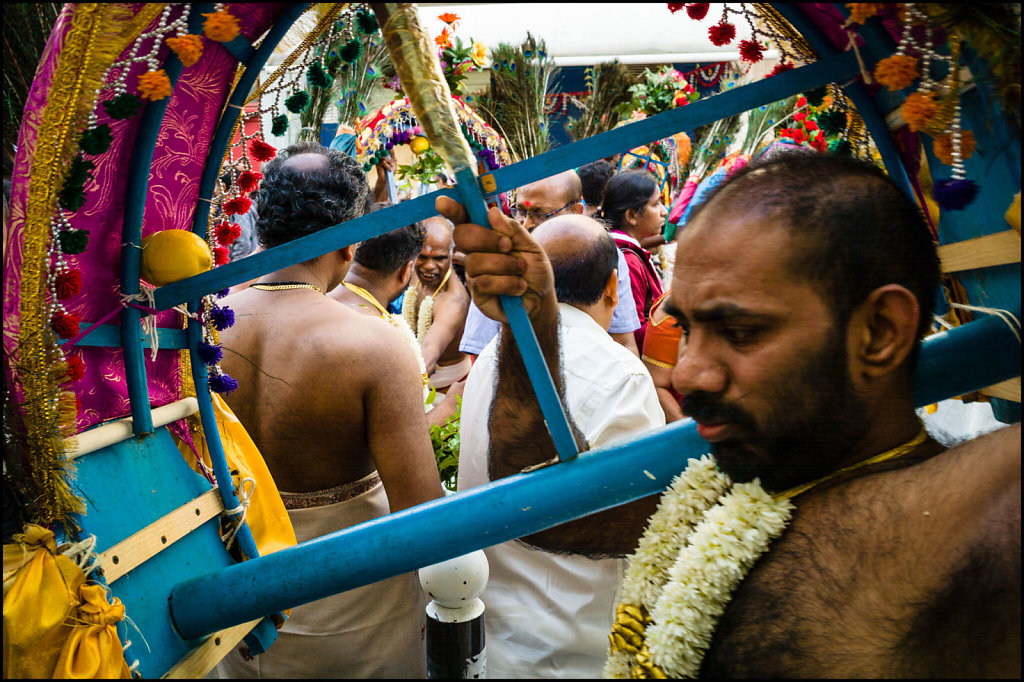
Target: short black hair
594 177
626 191
293 203
580 279
389 252
855 229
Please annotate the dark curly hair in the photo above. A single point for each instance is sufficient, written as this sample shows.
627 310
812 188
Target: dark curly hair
294 202
594 178
628 190
388 252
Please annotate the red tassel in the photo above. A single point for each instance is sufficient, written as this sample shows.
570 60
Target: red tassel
248 181
221 255
238 205
69 283
65 324
262 151
76 369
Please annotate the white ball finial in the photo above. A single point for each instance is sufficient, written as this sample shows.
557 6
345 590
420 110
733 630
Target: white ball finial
454 587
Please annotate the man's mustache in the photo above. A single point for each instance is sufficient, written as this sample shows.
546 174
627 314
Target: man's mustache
707 408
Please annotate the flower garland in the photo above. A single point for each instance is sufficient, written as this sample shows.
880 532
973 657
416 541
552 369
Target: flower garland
421 320
699 545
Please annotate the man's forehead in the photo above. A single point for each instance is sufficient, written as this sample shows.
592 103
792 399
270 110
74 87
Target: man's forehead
545 194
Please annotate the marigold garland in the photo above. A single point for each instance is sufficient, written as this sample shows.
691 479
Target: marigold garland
918 110
188 47
897 71
943 146
860 12
220 26
154 85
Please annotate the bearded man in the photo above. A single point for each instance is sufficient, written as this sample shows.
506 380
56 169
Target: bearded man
803 304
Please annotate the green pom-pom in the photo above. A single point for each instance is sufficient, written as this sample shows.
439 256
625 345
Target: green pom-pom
366 21
71 198
96 140
367 167
832 122
351 51
122 106
816 96
840 147
298 102
318 78
279 124
73 241
79 172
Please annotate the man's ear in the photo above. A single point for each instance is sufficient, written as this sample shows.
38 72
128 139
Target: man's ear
405 274
348 252
577 208
883 331
611 288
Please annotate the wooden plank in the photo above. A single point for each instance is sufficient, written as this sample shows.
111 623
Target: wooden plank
162 533
201 660
1000 248
120 429
1007 390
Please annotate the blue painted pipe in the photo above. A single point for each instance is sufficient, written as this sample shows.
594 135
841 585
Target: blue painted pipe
964 359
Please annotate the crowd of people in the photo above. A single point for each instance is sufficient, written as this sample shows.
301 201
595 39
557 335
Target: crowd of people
788 330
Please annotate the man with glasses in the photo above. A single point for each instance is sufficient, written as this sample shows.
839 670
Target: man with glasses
536 203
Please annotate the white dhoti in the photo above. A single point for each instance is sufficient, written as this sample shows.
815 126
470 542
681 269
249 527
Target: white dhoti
446 375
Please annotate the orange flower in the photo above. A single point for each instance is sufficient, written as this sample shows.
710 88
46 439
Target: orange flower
860 12
220 26
896 72
918 109
449 18
443 40
943 146
188 47
154 85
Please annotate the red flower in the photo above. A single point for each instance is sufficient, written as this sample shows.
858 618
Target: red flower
248 181
238 206
751 51
221 255
722 33
69 283
76 369
801 101
810 125
676 6
800 116
262 151
698 10
226 233
785 66
818 142
65 324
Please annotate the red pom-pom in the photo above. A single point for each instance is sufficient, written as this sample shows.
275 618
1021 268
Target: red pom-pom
221 255
698 10
68 284
248 181
65 324
781 68
722 33
238 206
751 51
262 151
76 369
676 6
226 233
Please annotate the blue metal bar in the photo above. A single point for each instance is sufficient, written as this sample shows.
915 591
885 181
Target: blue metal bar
136 190
985 353
666 124
529 349
109 335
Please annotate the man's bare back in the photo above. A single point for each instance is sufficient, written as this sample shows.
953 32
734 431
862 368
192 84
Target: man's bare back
881 575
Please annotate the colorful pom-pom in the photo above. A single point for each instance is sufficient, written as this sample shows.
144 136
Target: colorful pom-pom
297 102
780 68
262 151
816 96
73 241
751 51
896 71
221 255
75 369
237 206
67 284
221 317
675 6
722 33
840 147
697 10
318 78
65 324
123 106
209 353
188 47
351 51
154 85
220 382
279 124
943 146
96 140
918 110
832 122
221 26
954 194
366 22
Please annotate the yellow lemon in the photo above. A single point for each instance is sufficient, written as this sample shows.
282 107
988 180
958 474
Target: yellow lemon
172 255
419 145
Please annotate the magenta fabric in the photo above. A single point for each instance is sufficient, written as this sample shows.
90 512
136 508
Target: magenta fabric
683 200
182 144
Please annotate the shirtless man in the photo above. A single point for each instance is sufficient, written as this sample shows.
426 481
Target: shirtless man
435 280
803 313
332 399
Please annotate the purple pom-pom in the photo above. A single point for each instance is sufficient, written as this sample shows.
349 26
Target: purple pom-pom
223 292
953 194
222 383
222 318
209 353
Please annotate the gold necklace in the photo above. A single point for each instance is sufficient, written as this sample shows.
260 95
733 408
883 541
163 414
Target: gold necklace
286 286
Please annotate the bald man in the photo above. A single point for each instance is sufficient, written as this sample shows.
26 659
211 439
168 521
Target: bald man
549 615
333 399
537 202
435 306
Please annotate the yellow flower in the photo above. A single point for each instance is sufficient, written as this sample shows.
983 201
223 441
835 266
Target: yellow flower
154 85
918 110
479 54
221 26
188 47
860 12
896 72
943 146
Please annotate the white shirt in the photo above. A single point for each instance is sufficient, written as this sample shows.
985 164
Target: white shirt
549 615
480 329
